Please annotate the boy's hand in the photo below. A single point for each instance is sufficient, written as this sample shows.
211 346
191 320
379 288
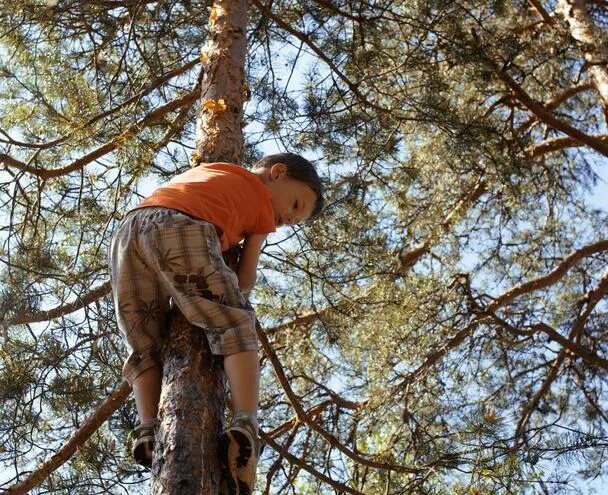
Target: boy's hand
231 256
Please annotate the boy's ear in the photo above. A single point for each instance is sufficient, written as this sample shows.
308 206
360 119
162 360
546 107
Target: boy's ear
278 171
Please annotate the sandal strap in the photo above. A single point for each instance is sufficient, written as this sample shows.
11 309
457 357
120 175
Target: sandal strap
146 427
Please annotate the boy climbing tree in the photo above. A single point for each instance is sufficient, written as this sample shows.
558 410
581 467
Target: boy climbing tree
171 246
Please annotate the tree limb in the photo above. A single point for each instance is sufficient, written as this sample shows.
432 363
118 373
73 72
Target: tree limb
303 417
551 277
90 426
62 310
408 258
559 143
541 112
147 90
340 488
111 145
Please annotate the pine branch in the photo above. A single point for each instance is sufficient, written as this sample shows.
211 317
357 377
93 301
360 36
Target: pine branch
353 87
90 426
474 191
560 143
547 117
536 5
556 101
106 148
340 488
545 281
591 299
62 310
134 99
302 416
485 314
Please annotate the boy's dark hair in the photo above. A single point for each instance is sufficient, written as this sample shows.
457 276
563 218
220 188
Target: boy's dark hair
298 168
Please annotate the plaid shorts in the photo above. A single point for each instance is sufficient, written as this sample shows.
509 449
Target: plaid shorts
157 254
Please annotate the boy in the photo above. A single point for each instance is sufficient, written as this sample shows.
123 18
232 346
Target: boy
170 246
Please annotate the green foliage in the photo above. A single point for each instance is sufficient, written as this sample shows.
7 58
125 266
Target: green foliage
417 378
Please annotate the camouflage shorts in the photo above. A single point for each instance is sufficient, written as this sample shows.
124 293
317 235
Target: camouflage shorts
158 254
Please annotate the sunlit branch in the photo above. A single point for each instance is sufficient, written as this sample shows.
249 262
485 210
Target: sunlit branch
560 143
549 279
62 310
303 417
556 101
547 117
542 113
409 257
353 87
111 145
501 301
103 412
341 488
313 412
134 99
590 300
536 5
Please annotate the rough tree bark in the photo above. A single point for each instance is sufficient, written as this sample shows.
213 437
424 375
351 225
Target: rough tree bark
192 400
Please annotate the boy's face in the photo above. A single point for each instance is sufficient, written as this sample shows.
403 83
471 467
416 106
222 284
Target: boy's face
293 201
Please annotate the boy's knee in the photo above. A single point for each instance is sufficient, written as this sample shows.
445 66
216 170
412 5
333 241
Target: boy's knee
137 363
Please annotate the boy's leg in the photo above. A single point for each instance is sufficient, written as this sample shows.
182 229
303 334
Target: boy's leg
146 389
141 306
187 259
242 371
239 446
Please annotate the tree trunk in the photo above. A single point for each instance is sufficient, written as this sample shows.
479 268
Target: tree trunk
592 42
219 128
191 413
192 401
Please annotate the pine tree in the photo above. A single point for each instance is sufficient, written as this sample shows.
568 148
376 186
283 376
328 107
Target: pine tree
439 330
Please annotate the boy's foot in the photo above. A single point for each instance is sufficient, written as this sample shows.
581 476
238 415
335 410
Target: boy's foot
239 451
143 446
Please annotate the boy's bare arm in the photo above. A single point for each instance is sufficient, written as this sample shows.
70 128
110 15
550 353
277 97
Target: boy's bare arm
248 263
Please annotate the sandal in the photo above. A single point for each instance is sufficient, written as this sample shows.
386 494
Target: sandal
143 446
239 451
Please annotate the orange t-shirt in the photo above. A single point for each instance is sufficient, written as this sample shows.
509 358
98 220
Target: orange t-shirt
230 197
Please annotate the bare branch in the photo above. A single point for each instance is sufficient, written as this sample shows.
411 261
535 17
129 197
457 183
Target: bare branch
560 143
303 417
573 347
541 111
536 5
62 310
486 314
551 277
591 299
556 101
341 488
147 90
353 87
